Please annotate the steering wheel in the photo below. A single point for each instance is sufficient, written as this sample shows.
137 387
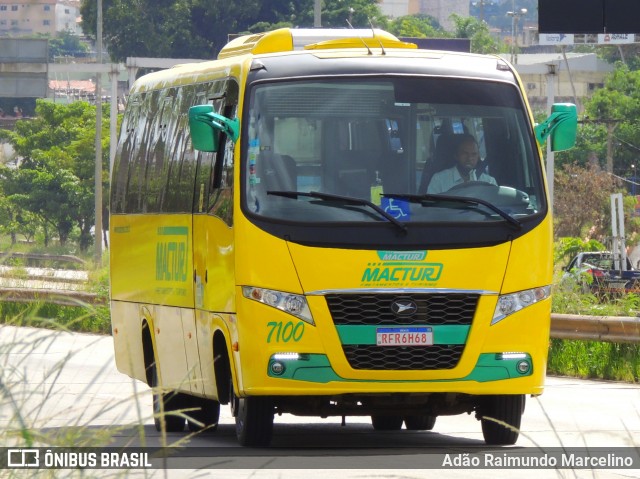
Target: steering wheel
505 196
472 184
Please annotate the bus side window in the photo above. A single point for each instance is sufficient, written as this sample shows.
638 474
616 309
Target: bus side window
220 202
138 157
182 159
124 157
158 161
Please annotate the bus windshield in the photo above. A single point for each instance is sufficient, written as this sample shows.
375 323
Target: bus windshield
412 146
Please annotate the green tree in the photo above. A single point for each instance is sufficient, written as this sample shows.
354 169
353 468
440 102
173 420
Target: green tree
611 123
200 28
478 32
417 26
66 43
55 177
628 54
336 13
14 221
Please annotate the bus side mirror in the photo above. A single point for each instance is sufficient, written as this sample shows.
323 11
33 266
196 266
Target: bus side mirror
562 125
204 126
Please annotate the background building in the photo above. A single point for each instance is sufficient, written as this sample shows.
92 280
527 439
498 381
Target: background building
19 17
68 16
575 78
441 10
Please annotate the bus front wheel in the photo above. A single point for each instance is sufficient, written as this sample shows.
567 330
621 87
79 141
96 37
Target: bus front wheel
386 423
422 422
500 416
254 420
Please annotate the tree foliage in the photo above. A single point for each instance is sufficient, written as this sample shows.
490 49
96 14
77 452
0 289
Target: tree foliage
568 247
481 39
54 180
611 116
200 28
416 26
581 198
66 43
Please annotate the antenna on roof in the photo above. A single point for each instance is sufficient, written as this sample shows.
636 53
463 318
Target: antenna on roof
361 39
373 32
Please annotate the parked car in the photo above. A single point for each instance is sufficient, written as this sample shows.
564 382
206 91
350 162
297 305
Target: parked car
596 272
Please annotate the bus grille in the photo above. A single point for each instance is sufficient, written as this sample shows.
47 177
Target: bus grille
372 309
401 358
375 309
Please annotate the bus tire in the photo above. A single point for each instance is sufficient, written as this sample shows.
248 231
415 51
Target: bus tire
164 405
386 423
204 414
422 422
254 421
507 409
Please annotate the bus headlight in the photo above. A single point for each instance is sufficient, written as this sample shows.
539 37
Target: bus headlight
510 303
293 304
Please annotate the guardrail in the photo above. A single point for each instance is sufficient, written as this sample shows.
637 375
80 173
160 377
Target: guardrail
45 257
60 297
614 329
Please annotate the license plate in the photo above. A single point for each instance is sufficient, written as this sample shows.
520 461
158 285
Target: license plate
420 336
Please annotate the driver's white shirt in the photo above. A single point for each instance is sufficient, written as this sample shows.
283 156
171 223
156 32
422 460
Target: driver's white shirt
446 179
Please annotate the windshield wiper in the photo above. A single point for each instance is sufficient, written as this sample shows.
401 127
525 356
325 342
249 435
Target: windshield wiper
456 199
338 198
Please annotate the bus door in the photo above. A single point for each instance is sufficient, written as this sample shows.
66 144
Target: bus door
213 240
169 171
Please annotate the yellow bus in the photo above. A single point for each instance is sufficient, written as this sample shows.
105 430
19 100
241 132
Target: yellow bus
278 244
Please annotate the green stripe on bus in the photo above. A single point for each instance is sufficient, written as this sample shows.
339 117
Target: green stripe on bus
365 334
173 230
316 368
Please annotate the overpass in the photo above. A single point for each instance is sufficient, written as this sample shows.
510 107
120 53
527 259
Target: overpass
132 65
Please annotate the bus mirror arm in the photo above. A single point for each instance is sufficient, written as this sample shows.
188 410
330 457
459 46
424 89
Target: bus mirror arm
202 120
221 123
562 125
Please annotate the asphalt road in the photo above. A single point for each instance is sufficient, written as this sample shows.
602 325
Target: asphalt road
66 385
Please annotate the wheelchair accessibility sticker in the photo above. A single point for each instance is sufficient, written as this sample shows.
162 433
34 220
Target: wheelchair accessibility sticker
397 208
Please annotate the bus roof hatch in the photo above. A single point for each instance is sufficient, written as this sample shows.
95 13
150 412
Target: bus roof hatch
289 39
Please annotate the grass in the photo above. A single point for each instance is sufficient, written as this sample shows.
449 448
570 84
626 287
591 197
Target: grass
82 318
594 360
86 318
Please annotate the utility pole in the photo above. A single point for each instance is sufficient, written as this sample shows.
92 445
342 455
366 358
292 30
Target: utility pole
317 13
551 93
612 124
98 144
515 17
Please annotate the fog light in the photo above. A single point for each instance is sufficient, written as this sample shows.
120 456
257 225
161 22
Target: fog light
523 367
508 356
277 368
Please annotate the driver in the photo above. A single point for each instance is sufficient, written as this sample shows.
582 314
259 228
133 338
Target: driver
467 157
